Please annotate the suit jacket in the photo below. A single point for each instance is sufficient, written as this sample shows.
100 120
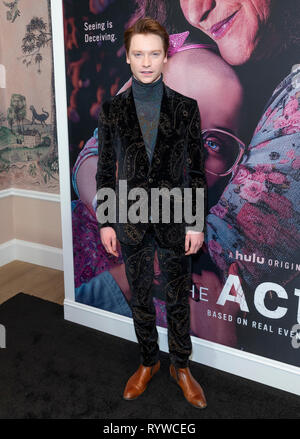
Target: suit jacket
177 161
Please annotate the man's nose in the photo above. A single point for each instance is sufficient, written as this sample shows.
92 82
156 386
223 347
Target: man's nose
146 61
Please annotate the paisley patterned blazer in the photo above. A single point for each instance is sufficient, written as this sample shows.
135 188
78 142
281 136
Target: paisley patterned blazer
177 161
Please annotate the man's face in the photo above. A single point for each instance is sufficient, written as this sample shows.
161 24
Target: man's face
146 57
235 25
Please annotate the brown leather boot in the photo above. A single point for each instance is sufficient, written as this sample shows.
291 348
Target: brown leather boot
138 382
192 390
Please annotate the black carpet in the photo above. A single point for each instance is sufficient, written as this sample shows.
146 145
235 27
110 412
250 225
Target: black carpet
55 369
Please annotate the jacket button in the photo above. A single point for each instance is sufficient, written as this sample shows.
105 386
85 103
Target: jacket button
150 180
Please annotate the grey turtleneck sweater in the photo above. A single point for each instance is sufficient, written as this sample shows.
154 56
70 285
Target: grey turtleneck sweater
147 98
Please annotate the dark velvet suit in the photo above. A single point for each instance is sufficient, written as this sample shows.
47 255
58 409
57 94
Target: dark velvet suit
177 161
178 147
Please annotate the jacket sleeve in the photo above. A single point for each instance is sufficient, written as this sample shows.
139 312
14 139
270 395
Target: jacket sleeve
195 159
106 167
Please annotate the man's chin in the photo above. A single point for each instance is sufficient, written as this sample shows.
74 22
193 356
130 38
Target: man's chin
147 79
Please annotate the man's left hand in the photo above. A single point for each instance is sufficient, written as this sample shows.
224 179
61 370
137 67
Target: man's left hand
193 242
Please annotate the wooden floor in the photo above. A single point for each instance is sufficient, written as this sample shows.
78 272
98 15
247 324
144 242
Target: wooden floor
18 276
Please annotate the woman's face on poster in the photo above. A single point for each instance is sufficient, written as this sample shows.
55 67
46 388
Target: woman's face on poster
235 26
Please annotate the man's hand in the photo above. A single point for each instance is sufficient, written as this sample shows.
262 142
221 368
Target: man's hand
109 240
193 242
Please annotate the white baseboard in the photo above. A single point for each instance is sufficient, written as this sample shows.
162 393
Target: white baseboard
46 196
26 251
45 255
253 367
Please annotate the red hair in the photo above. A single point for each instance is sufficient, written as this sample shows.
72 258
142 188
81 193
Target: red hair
146 25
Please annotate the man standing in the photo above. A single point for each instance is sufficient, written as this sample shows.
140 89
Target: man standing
150 137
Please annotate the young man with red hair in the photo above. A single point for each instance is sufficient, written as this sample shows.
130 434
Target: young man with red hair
150 137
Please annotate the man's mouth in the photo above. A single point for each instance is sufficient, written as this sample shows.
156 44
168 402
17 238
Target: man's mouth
219 29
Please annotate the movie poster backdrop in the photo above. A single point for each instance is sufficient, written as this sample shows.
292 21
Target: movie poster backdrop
246 284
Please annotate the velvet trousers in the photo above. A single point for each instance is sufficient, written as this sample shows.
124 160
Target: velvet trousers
176 282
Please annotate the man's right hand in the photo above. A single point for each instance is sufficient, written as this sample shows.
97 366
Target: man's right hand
109 240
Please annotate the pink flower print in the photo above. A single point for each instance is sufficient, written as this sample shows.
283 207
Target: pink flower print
294 124
290 130
214 246
295 119
291 154
276 177
268 112
271 115
259 176
264 168
279 204
261 145
281 122
252 190
296 163
257 226
291 107
289 122
219 210
242 175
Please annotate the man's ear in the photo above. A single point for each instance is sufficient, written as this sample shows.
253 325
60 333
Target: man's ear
127 58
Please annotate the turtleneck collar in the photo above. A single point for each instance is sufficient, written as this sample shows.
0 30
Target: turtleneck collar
147 91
